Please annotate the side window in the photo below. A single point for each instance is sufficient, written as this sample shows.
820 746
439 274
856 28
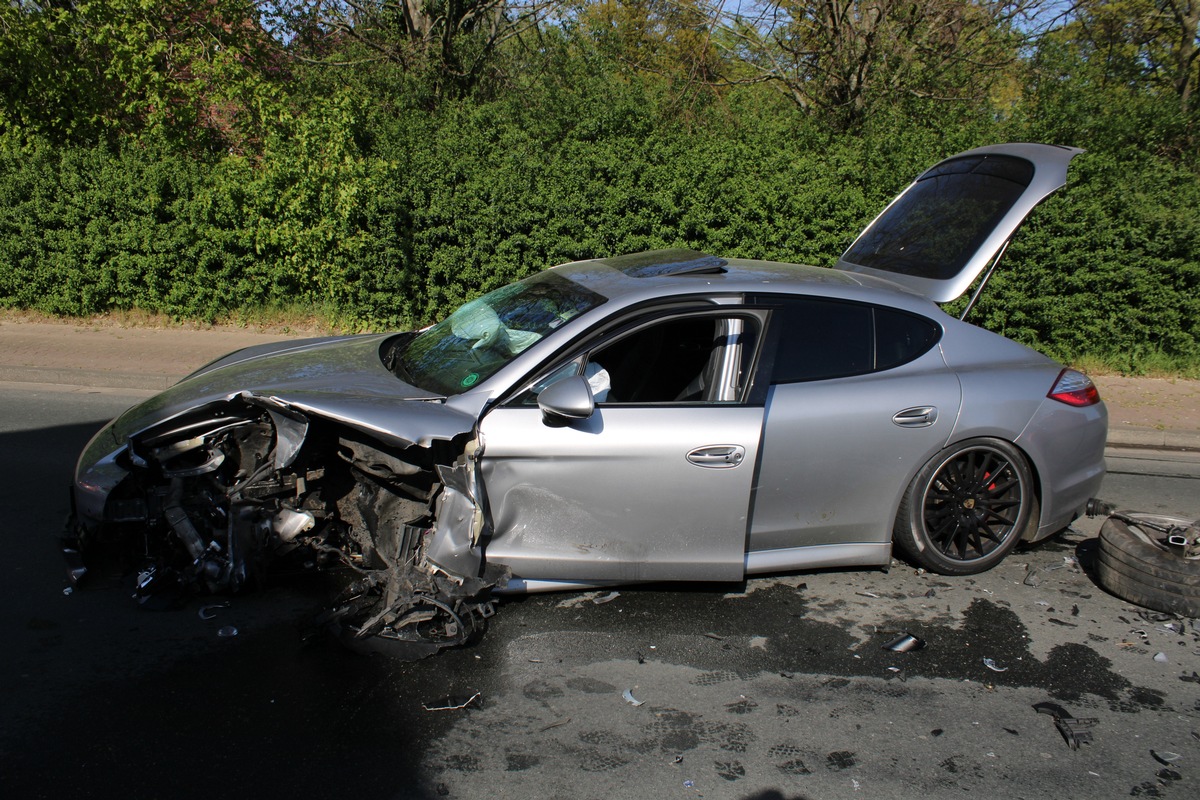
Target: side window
900 337
692 359
822 339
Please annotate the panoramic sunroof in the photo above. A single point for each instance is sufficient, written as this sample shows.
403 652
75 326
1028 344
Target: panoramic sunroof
655 263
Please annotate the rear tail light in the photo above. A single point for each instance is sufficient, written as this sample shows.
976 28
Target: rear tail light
1074 388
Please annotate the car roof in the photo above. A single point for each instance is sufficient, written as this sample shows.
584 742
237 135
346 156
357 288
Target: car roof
658 274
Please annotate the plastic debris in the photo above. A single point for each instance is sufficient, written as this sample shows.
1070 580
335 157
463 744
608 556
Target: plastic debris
868 594
1161 658
206 611
608 598
905 643
718 637
641 658
629 698
228 632
455 703
688 784
68 591
677 760
1033 578
1165 757
1074 731
993 666
931 593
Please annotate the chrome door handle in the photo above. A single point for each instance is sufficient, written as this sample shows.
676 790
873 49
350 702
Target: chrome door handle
717 456
916 417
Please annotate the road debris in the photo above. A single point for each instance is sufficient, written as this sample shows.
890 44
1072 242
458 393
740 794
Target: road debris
1032 577
868 594
206 612
228 632
555 724
1165 757
905 643
1161 658
993 666
716 636
629 698
1074 731
456 703
608 598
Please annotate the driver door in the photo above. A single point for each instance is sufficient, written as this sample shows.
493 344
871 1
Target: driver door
654 484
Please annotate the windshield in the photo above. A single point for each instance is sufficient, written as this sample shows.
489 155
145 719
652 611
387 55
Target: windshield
485 334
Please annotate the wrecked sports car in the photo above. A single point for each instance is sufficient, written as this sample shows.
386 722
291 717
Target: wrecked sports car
665 416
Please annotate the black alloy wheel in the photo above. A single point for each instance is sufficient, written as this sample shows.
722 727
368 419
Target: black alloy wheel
967 508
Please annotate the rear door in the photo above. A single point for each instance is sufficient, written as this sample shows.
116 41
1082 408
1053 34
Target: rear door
942 231
860 399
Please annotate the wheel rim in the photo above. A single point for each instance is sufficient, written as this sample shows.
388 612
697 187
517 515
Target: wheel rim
973 504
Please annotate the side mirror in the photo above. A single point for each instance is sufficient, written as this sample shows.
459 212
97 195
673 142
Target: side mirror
566 400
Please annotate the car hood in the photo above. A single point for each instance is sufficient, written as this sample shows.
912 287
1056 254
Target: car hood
940 233
340 378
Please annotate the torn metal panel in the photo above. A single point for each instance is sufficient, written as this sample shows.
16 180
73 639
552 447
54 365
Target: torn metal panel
459 519
209 501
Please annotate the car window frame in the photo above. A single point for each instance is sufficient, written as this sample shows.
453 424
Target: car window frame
753 394
773 339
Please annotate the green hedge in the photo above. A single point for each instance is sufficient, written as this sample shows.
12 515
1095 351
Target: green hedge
389 222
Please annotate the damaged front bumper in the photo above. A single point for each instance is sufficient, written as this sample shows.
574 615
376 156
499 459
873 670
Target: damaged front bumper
211 500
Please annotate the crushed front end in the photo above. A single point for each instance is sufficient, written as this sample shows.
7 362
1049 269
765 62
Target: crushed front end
218 499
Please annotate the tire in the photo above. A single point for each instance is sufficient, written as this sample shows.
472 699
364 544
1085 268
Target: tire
967 508
1135 566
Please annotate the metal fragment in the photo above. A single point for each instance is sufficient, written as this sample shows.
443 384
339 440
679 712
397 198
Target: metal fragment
904 643
206 611
453 703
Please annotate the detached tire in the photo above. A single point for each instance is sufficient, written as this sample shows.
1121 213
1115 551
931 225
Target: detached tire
1135 566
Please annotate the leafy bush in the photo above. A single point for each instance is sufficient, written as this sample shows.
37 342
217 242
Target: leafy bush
388 220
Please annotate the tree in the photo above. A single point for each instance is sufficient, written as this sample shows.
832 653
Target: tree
842 58
82 70
454 41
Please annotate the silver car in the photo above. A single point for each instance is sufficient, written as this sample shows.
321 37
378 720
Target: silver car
664 416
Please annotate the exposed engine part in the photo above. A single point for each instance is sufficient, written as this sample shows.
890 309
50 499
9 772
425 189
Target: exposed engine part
212 502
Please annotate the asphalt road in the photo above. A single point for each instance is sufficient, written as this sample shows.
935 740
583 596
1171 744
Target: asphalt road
777 688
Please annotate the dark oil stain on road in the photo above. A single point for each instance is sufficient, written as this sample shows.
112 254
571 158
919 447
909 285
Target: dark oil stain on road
986 629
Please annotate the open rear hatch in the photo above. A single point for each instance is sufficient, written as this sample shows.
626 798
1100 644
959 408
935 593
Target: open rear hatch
956 218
